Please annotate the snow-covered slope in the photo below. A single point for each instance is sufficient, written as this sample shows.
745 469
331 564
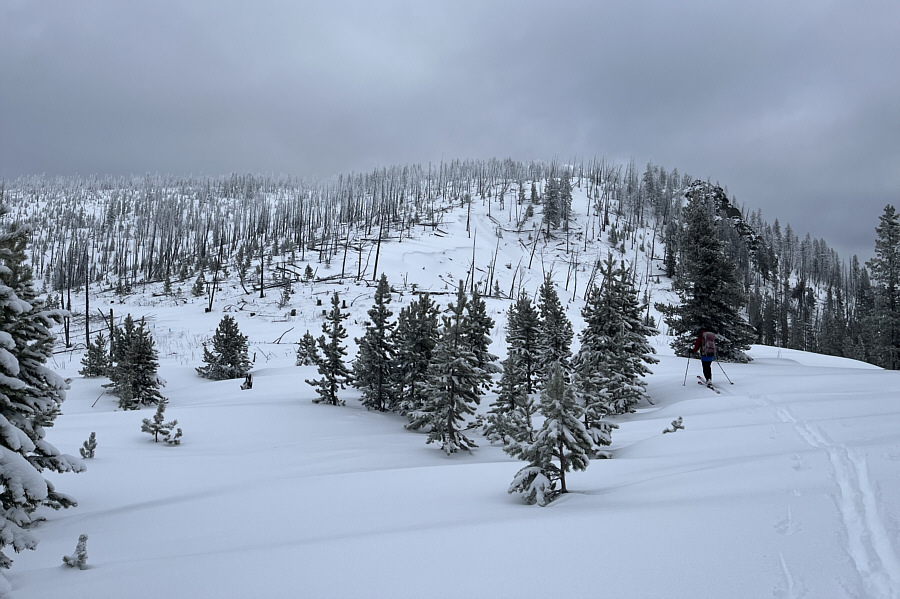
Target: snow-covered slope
786 484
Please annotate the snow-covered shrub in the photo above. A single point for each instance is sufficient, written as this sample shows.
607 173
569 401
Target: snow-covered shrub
79 558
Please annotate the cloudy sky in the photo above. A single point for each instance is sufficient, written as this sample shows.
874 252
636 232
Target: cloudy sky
794 106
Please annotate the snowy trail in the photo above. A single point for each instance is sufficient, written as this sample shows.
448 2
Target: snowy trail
868 539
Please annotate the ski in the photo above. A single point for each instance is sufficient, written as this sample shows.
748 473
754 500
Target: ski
702 381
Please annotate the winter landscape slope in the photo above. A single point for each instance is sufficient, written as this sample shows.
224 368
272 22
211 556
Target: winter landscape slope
786 484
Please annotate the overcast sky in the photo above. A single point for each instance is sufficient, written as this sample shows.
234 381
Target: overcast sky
793 105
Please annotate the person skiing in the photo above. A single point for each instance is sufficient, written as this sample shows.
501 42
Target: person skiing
706 346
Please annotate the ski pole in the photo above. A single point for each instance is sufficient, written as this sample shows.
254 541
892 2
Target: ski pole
723 371
687 364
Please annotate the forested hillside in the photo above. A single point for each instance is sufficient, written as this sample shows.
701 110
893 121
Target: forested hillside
120 233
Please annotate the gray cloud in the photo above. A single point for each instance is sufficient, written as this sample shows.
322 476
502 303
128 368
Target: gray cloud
793 106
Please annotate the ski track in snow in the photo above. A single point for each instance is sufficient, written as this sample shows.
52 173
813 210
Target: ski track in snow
790 592
868 540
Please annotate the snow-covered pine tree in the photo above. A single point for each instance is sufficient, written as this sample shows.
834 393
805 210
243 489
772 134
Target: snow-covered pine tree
307 352
711 297
479 335
509 419
372 370
133 376
611 362
120 372
96 359
523 333
510 415
25 409
551 203
229 358
415 338
455 383
33 337
562 437
555 337
595 374
335 374
633 340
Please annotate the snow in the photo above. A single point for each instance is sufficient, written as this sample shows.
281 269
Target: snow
787 484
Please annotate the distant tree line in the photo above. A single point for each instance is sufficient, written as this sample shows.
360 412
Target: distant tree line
121 232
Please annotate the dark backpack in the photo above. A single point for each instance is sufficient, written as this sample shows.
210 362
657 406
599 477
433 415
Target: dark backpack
708 344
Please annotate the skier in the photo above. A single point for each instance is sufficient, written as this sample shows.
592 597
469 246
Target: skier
706 346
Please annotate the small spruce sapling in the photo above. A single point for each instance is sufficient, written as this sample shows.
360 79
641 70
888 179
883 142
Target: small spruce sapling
89 446
199 287
307 352
79 558
677 424
158 426
285 295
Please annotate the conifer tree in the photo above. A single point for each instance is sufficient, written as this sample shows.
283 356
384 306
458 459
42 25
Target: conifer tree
89 447
32 335
633 339
416 336
199 287
711 297
509 418
552 208
555 338
96 359
862 324
479 333
833 331
455 383
133 376
30 398
158 425
307 352
229 358
562 437
372 370
285 295
332 368
885 277
611 361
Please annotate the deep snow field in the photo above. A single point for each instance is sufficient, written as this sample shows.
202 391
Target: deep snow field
787 484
